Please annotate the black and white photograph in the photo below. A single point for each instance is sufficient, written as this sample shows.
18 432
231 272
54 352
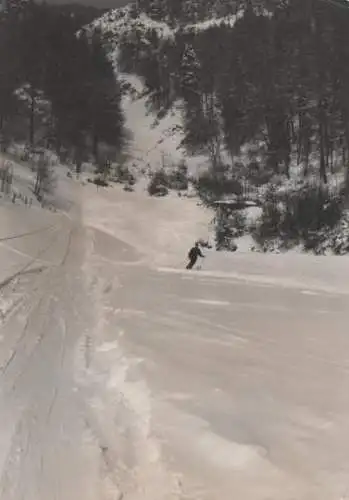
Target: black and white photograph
174 250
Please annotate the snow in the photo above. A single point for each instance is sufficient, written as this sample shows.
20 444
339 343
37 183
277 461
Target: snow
124 376
116 214
155 143
228 21
230 370
119 22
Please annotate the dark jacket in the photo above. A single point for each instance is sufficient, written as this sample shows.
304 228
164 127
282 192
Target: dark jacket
194 253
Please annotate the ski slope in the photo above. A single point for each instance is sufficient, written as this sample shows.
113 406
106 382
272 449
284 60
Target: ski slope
234 378
122 376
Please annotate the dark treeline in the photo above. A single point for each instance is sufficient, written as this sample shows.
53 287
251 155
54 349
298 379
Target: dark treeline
280 79
57 89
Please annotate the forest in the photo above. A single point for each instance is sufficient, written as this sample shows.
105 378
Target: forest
277 77
58 89
263 92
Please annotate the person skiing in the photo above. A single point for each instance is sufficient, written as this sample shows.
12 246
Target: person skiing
193 255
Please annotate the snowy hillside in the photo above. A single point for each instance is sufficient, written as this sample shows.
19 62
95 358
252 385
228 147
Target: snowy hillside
154 143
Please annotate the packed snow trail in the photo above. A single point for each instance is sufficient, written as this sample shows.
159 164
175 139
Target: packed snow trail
124 376
47 447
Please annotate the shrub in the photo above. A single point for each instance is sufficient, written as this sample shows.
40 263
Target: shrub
309 210
257 174
339 236
228 228
158 184
123 175
161 182
268 226
212 187
100 182
178 179
303 216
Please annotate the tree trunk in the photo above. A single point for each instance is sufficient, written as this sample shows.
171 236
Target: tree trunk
37 187
299 138
96 148
331 157
323 174
2 138
287 162
214 148
346 132
32 122
306 156
78 159
326 143
344 154
58 145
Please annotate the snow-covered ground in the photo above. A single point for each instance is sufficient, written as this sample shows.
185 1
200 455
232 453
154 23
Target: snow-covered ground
228 379
124 376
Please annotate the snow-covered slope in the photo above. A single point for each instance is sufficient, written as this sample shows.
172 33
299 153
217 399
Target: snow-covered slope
222 380
162 230
124 376
153 143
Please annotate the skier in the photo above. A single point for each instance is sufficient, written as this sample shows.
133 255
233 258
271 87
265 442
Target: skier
193 255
